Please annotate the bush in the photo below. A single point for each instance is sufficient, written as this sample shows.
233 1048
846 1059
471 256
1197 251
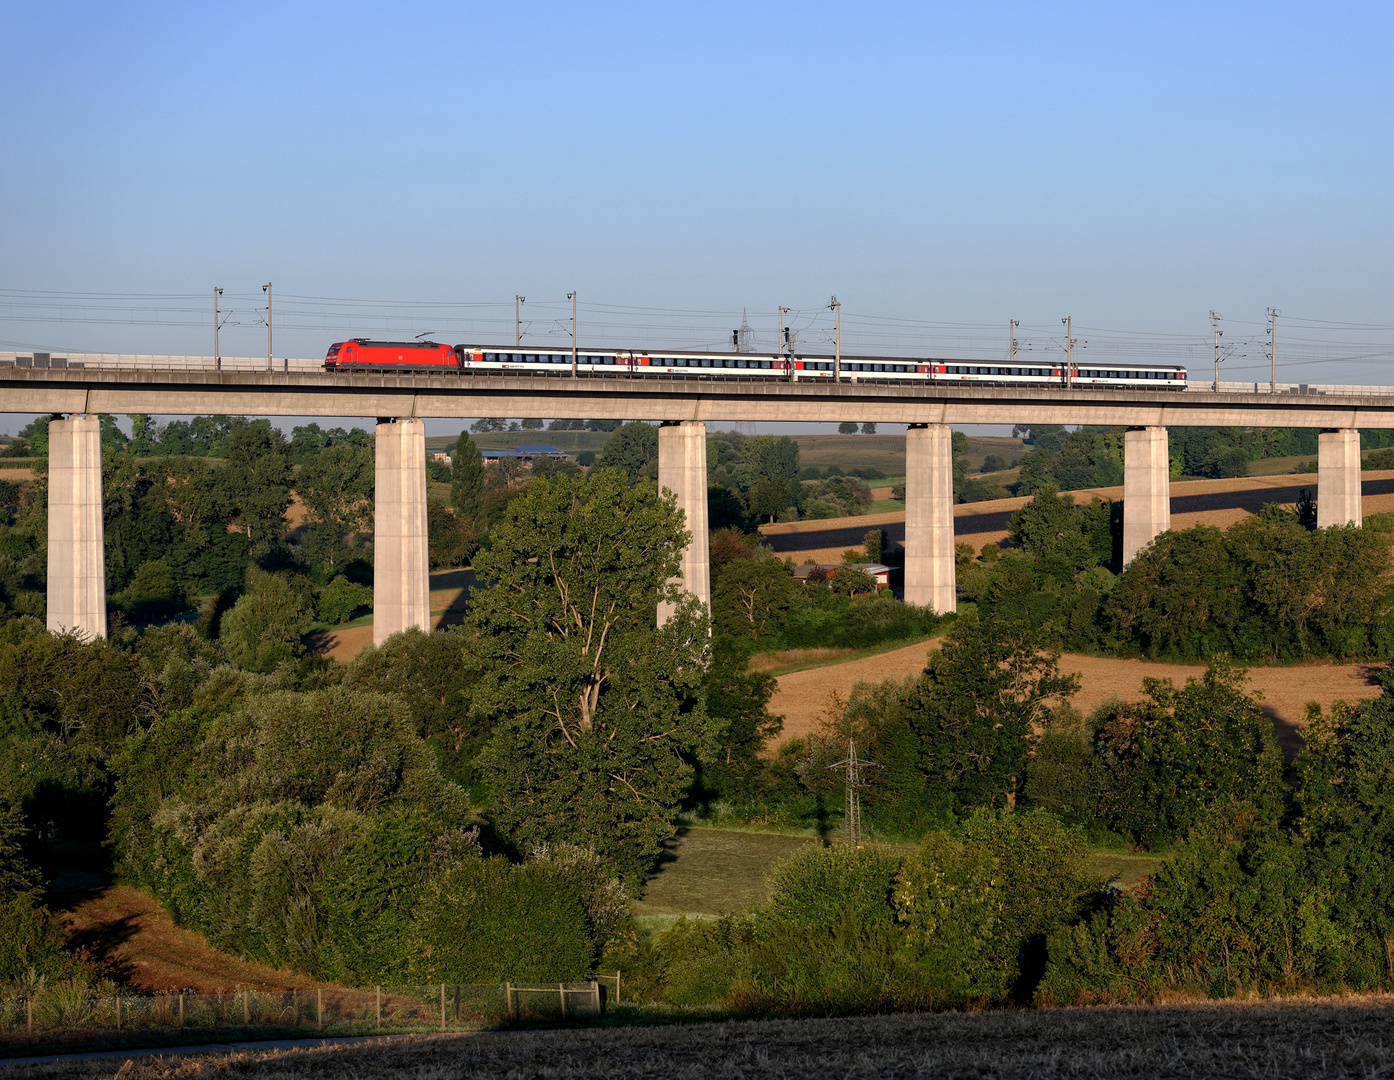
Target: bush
1060 777
978 909
1166 764
341 598
152 594
32 941
486 920
368 896
820 888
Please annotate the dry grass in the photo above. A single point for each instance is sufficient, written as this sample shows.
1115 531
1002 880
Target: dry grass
138 943
1342 1037
788 661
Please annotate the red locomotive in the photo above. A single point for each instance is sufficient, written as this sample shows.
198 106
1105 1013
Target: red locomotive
361 354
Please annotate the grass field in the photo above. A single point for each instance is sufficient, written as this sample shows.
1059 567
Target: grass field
573 442
1286 1038
711 871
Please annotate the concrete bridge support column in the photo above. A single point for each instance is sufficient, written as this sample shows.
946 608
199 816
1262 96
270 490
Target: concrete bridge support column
682 469
76 558
1338 478
929 518
401 563
1146 488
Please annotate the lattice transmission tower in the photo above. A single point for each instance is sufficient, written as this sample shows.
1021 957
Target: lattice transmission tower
852 765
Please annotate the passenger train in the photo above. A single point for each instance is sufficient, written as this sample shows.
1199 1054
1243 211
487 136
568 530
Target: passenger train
419 357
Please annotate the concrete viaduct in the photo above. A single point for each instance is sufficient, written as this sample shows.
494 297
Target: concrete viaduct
76 570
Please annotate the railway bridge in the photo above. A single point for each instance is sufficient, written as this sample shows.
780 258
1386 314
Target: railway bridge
683 406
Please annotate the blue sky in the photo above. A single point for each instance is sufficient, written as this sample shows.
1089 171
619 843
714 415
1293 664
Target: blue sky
1132 166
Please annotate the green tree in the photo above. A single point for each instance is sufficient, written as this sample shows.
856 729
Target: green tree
1186 752
143 435
257 481
751 597
467 478
737 702
452 538
984 694
265 626
633 449
847 427
336 486
424 671
595 707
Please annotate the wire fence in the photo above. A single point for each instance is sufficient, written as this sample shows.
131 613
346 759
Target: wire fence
66 1015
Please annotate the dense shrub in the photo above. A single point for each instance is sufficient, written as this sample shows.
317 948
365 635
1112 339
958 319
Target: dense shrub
1168 762
32 940
338 600
240 823
487 920
426 672
820 888
976 909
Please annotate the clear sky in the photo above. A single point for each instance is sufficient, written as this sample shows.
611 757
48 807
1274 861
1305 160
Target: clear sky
944 166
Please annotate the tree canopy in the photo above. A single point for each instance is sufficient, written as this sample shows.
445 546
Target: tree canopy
595 706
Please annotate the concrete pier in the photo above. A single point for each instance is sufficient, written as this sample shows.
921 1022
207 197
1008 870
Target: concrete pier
1338 478
76 558
929 518
682 469
401 562
1146 488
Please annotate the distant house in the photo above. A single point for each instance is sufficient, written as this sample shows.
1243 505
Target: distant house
440 457
523 453
880 573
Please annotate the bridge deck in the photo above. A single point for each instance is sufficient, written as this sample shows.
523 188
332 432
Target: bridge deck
300 393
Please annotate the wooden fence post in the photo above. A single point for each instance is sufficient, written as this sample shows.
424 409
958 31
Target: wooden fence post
181 1008
561 989
442 1006
118 1014
617 986
294 1007
595 1000
28 1015
378 990
508 1000
319 1008
246 1009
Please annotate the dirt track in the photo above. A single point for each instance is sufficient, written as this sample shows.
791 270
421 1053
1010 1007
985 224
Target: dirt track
1193 502
803 695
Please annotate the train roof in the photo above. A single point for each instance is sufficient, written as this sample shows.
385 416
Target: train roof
396 344
846 357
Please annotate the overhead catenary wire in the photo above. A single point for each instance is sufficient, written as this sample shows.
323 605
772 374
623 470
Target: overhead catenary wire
1307 341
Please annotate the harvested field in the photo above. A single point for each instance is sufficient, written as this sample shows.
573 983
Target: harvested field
135 938
803 695
1193 502
1330 1038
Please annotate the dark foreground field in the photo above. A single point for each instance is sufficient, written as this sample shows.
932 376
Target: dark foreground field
1331 1038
